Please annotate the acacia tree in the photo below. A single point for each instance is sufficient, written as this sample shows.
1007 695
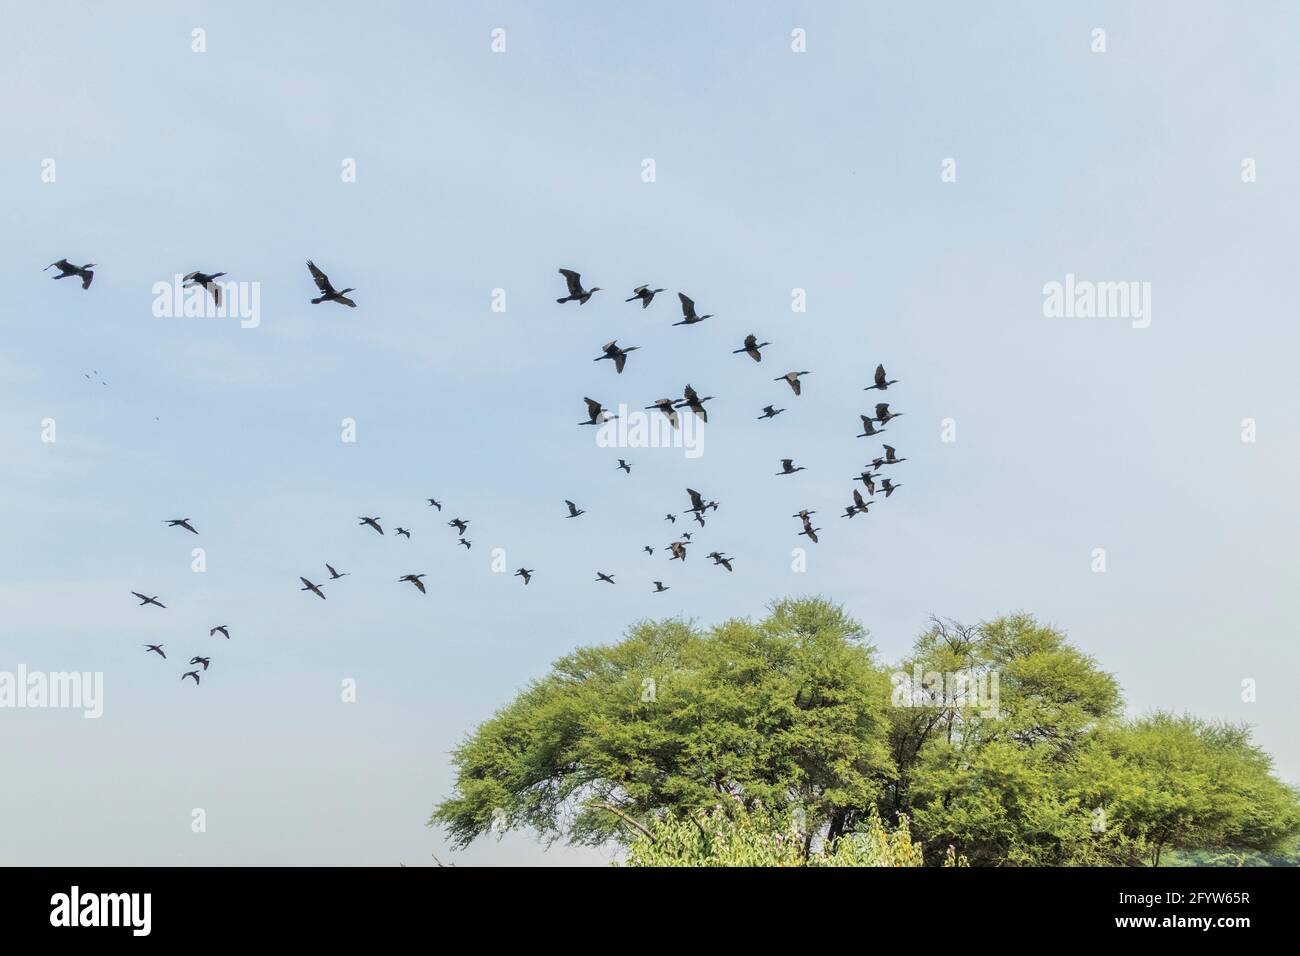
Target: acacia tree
793 713
788 710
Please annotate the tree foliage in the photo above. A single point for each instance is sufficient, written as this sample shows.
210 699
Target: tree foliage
793 718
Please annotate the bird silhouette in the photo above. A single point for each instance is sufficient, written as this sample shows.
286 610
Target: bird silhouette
205 661
194 674
788 468
809 530
148 600
574 281
181 523
770 412
889 456
525 573
692 400
616 353
313 588
645 294
792 379
574 510
221 629
720 559
208 282
434 504
602 576
327 293
415 579
881 383
648 550
373 522
155 649
665 405
467 544
659 587
868 480
868 427
623 465
889 487
671 517
678 548
689 316
751 347
697 502
458 524
883 414
403 531
335 575
67 269
596 413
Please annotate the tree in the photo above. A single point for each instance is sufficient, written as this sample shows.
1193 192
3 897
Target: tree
790 710
791 718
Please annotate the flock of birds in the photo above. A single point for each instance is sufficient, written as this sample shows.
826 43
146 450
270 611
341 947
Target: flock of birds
597 414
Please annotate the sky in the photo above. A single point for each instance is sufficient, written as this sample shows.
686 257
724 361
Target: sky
828 171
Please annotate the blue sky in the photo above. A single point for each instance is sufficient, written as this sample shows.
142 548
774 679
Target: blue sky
478 171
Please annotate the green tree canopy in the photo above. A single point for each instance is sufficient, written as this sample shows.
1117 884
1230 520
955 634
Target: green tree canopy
795 713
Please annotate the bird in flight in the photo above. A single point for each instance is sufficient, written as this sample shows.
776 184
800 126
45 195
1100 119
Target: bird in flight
576 292
671 517
883 414
194 674
889 487
692 400
868 427
335 575
206 281
467 544
788 468
434 504
66 269
156 649
148 600
222 629
313 588
415 579
697 502
458 524
648 550
180 523
751 347
616 353
403 531
803 514
792 379
770 412
809 530
596 413
205 661
859 504
889 456
574 510
665 405
327 293
721 559
624 466
659 588
373 522
525 573
689 316
678 548
881 382
645 294
869 482
602 576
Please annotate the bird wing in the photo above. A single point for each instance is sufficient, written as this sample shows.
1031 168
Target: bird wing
419 584
688 304
573 280
696 500
880 375
593 408
620 359
882 410
322 280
